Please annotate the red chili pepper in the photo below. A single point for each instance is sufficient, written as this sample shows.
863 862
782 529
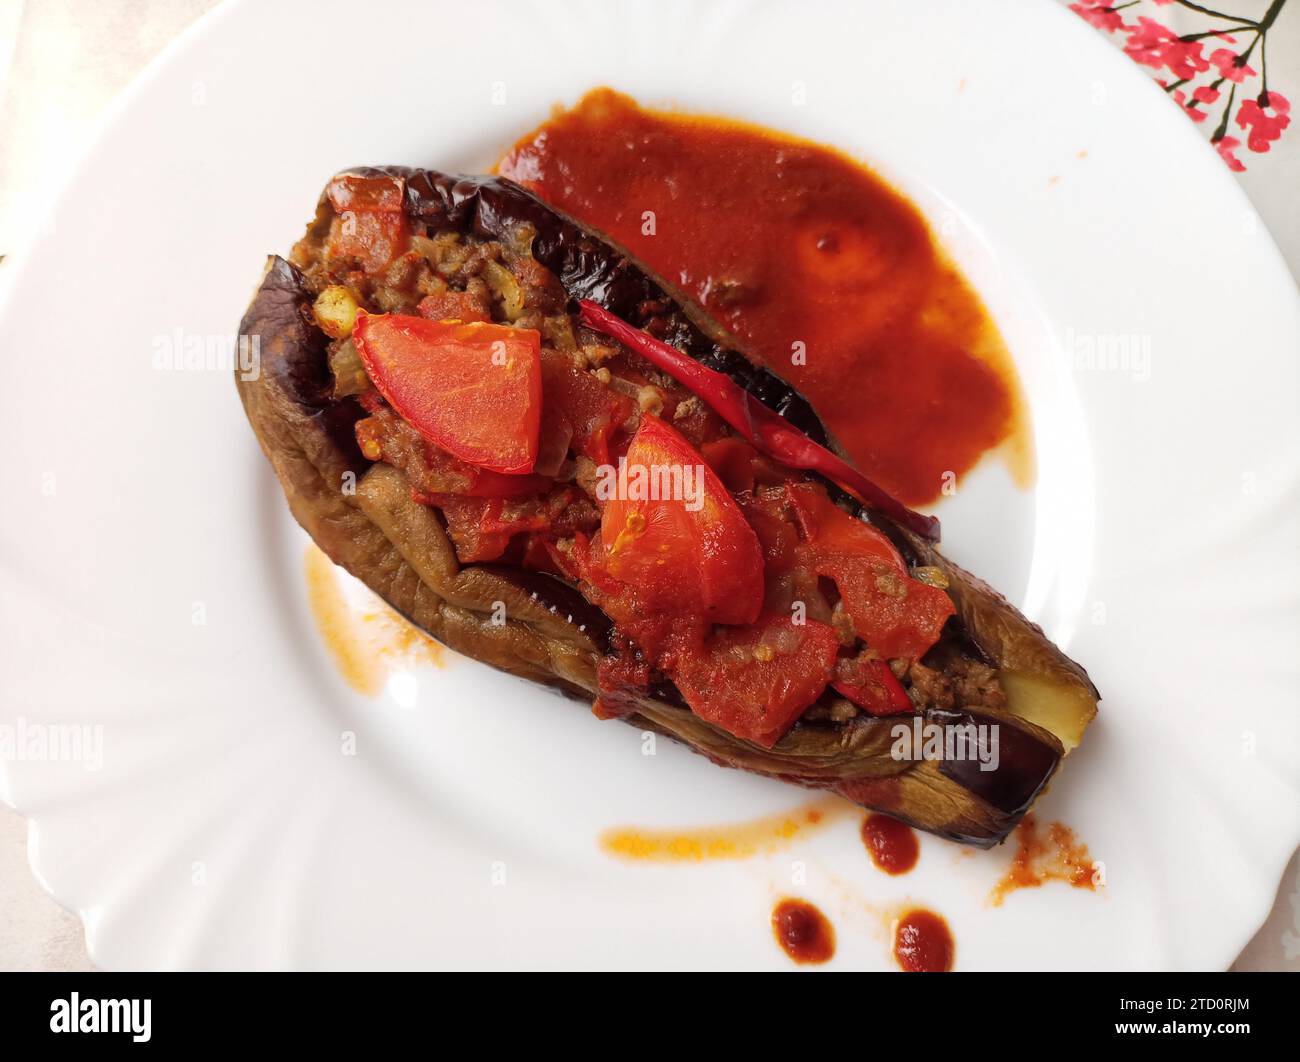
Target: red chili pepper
880 693
763 427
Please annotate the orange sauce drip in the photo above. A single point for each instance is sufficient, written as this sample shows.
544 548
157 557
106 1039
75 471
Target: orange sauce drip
741 840
367 641
821 270
1040 858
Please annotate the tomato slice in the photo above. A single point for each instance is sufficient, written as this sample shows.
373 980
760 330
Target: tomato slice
474 390
693 552
833 531
373 239
755 681
372 222
897 616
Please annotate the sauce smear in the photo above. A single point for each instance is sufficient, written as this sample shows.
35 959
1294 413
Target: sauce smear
823 272
803 932
740 840
923 943
1039 858
366 639
892 844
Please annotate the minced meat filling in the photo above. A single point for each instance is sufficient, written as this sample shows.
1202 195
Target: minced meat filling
448 275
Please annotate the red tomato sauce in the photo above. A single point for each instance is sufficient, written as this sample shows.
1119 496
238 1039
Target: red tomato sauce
823 272
892 844
1053 855
803 932
923 943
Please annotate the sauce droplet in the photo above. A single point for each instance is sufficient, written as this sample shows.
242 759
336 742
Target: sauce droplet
803 932
892 844
1057 856
923 943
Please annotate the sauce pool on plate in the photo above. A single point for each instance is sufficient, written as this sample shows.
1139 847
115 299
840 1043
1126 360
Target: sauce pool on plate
823 272
804 933
923 942
892 844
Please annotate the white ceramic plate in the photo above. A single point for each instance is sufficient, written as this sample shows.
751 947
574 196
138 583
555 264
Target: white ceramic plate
224 827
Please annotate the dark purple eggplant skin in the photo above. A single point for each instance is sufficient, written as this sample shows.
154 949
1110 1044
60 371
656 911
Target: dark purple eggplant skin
1025 764
309 440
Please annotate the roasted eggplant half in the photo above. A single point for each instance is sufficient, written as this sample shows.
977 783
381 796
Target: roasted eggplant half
454 419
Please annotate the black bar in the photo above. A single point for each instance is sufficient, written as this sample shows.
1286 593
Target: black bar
335 1010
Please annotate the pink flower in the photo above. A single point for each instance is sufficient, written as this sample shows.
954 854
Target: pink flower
1192 111
1264 127
1229 67
1185 59
1162 3
1205 94
1146 42
1224 146
1100 14
1154 45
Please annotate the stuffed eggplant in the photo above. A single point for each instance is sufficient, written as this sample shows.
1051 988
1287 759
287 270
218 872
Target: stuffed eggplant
547 459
